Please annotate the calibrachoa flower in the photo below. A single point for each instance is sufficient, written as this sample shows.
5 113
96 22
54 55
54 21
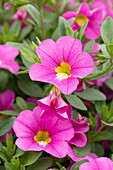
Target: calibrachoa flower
6 101
20 14
7 56
84 14
62 63
53 105
37 134
101 163
79 138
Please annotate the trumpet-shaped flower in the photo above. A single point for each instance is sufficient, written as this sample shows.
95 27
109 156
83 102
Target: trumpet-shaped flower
53 105
62 63
84 14
38 134
7 56
101 163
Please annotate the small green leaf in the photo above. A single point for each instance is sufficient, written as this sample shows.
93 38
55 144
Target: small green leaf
107 31
61 27
9 113
89 46
3 156
42 163
98 149
76 102
19 152
82 30
29 55
105 135
30 88
107 124
15 29
82 151
30 157
21 103
6 124
10 166
77 164
33 12
91 95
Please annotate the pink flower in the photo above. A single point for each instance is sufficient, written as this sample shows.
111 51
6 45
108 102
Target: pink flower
53 105
79 138
6 101
101 163
37 134
104 7
7 5
94 18
62 62
20 14
7 56
99 82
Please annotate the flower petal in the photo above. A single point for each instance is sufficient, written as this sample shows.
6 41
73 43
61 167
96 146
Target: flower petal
79 140
83 65
84 9
68 15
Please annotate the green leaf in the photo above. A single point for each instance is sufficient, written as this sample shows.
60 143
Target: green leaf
82 30
3 80
109 83
25 31
19 152
9 142
82 151
6 124
75 102
10 166
105 135
111 145
107 124
33 12
30 88
15 29
110 50
3 157
9 113
42 163
29 55
91 95
107 31
21 103
30 157
77 164
98 149
61 26
89 46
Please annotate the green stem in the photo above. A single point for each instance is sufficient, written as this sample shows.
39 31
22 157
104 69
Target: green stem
42 24
99 74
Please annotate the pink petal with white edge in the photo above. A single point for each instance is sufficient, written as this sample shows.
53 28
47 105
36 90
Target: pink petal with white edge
84 65
96 15
39 72
47 53
92 30
84 9
44 103
79 140
67 48
12 66
68 15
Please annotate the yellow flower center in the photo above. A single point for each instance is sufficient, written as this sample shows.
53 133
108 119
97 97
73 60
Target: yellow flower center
42 137
81 19
63 71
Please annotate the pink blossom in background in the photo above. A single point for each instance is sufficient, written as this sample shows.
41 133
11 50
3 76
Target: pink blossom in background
102 163
37 134
104 7
7 5
6 101
62 62
79 138
53 105
94 18
20 14
99 82
31 100
7 56
108 92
